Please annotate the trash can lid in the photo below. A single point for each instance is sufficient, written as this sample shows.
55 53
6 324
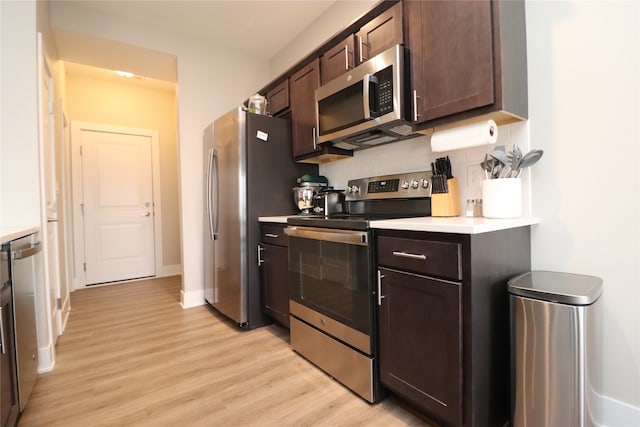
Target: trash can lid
565 288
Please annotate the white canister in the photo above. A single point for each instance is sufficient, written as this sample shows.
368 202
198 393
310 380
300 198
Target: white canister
502 198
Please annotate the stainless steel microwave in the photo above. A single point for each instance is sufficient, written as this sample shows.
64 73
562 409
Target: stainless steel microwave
365 106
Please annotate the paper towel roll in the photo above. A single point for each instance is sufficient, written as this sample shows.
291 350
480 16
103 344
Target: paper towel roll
472 135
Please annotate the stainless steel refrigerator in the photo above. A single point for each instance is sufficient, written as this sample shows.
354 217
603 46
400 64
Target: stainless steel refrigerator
248 172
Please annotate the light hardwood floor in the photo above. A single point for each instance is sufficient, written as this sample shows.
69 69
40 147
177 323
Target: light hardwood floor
131 356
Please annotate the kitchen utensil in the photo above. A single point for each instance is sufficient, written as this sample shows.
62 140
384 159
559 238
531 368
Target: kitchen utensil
516 156
528 160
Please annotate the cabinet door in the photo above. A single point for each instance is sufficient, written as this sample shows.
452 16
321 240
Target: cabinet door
275 283
380 33
451 62
303 109
338 60
421 342
278 98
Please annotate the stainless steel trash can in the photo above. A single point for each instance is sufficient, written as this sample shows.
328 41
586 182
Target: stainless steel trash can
556 349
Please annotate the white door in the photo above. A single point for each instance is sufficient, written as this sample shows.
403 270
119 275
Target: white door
117 183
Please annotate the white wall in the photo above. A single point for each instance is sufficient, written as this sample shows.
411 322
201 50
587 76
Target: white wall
19 179
211 81
584 112
336 18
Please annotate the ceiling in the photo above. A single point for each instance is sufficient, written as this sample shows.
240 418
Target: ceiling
260 28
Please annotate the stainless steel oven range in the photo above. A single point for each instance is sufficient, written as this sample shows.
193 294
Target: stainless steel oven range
333 288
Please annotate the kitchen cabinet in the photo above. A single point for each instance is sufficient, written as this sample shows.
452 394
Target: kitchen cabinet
443 321
381 33
8 374
302 85
274 272
467 59
338 60
422 364
278 98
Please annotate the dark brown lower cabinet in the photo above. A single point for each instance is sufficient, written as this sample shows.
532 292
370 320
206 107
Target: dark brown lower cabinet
421 342
274 272
443 321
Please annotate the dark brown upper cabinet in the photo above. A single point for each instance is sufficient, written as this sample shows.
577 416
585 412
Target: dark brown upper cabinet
380 33
278 98
338 60
302 85
467 59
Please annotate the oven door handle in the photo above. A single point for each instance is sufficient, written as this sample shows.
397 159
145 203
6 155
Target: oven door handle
348 237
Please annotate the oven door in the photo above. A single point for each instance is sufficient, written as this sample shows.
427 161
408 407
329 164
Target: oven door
330 273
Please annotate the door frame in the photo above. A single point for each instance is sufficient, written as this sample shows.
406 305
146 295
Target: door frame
79 276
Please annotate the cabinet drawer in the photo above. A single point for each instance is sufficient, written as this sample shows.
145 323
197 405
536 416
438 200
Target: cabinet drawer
442 259
274 234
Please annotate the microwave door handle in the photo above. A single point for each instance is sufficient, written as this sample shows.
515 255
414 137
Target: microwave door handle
370 111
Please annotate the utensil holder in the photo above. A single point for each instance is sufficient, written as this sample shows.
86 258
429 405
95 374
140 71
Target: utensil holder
502 198
446 204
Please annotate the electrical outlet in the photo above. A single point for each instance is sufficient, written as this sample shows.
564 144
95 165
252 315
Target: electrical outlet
475 175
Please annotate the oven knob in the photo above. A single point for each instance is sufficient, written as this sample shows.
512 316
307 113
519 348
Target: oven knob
354 189
414 183
405 184
425 183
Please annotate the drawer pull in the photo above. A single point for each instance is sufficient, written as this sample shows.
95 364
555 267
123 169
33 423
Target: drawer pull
273 236
407 255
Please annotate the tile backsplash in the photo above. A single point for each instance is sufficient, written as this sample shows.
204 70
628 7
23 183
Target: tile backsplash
415 155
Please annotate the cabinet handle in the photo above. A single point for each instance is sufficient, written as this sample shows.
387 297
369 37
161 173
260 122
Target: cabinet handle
380 296
4 349
361 43
314 139
260 260
415 106
273 236
407 255
346 57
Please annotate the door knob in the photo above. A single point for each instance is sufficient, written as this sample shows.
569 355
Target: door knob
146 214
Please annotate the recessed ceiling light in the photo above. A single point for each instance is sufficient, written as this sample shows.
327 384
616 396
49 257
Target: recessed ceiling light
125 74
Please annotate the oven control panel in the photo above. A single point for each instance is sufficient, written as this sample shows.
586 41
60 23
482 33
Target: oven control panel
400 186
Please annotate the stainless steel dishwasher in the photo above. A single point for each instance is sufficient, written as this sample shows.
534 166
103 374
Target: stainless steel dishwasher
26 275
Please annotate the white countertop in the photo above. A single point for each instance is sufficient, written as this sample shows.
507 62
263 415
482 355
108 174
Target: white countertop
280 219
11 233
460 225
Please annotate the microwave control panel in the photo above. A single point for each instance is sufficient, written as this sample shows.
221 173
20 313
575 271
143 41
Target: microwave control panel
385 90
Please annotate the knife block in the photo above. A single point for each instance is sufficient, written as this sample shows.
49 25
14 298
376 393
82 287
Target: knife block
446 204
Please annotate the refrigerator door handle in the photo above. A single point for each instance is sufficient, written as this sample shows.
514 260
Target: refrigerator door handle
213 223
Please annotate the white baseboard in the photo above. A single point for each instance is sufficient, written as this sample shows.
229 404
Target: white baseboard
192 298
46 358
171 270
619 414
